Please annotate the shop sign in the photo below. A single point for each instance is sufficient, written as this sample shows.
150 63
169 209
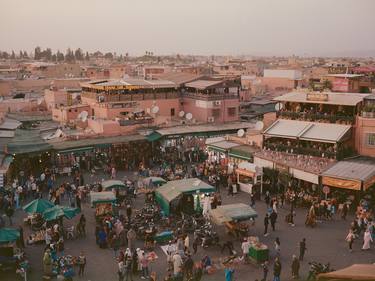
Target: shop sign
341 183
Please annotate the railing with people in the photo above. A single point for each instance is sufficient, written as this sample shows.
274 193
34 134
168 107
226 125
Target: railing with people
331 118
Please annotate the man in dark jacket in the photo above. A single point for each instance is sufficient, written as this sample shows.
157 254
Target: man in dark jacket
276 270
295 267
266 222
273 218
302 249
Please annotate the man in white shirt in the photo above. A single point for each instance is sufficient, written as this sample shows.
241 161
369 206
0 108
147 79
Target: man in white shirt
245 249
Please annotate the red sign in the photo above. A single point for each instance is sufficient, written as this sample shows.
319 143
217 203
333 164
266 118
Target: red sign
326 189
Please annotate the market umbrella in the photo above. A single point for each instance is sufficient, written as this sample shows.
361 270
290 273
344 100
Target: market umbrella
60 211
38 206
9 235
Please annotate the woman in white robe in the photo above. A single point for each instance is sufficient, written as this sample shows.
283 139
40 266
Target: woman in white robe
367 239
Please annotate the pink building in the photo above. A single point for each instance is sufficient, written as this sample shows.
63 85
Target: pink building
345 83
281 79
68 114
212 101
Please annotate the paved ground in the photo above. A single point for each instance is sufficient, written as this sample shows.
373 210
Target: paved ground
325 243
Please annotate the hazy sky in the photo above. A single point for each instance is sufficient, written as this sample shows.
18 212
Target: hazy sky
260 27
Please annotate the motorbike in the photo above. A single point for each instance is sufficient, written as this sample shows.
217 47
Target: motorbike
317 268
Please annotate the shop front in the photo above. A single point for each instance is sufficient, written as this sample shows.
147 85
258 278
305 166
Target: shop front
249 176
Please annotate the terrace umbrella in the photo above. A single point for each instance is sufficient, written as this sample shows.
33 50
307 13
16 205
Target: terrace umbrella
9 235
57 212
38 206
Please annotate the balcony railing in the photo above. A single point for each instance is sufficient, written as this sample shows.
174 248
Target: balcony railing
210 97
316 117
340 154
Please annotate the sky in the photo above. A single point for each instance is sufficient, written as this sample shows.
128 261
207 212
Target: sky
207 27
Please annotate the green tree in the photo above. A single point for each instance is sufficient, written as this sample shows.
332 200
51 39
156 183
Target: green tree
13 55
78 54
87 57
37 53
60 56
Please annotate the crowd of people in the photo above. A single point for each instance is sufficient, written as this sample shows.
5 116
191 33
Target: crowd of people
118 231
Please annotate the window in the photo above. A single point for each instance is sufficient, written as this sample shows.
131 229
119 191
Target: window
231 111
172 112
216 112
370 140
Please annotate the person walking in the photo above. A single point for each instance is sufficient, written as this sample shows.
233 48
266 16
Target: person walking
302 249
128 268
276 270
9 211
245 249
252 199
295 267
188 266
82 264
277 247
229 272
121 270
273 218
265 270
267 198
350 240
344 211
367 239
144 264
266 222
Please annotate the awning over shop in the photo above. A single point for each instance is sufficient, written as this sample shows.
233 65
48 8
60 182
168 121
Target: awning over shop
154 136
102 197
113 184
77 150
244 152
222 146
351 174
199 130
357 272
310 131
232 212
9 235
173 189
27 141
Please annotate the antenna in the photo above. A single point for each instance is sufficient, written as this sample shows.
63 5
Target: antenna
181 113
189 116
241 133
259 125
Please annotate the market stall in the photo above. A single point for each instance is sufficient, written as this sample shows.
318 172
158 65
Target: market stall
233 217
258 251
109 185
357 272
249 174
57 212
103 203
182 195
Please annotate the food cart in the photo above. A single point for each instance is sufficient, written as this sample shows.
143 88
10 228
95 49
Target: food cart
258 252
103 202
11 257
248 175
232 216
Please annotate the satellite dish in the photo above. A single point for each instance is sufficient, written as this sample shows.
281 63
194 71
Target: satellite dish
241 133
155 109
279 106
39 101
83 115
189 116
259 125
181 113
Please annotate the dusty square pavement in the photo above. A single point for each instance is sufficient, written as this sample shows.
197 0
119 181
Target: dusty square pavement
325 243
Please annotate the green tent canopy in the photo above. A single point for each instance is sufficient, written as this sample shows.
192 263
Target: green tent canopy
9 235
37 206
155 180
174 189
113 184
232 212
60 211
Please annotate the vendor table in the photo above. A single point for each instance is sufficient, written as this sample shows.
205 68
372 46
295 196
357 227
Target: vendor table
259 254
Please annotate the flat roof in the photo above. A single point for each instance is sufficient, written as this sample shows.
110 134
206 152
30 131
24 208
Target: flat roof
10 124
311 131
128 83
344 75
204 128
350 99
65 144
361 169
203 84
224 144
